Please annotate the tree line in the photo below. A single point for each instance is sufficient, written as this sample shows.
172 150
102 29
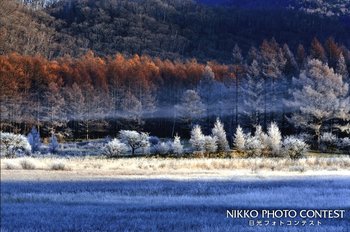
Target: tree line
92 96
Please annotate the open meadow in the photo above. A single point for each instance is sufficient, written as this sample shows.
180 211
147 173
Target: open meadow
155 194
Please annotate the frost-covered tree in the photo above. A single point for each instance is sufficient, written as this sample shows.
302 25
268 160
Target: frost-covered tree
207 90
131 107
11 144
177 147
237 55
320 97
342 68
219 132
239 139
115 148
134 139
197 139
34 139
191 107
210 144
53 145
253 89
274 139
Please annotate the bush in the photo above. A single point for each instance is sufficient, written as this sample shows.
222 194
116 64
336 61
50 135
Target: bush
115 148
328 142
27 164
58 165
162 148
344 145
154 140
53 145
34 139
13 144
177 147
294 147
253 146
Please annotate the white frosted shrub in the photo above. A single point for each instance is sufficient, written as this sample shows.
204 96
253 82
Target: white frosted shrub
294 147
344 145
13 144
239 139
27 164
162 148
53 145
253 146
219 132
274 139
59 166
308 138
115 148
328 141
259 133
210 144
34 140
197 139
177 147
328 138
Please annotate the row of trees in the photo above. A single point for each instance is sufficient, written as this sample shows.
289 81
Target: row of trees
93 95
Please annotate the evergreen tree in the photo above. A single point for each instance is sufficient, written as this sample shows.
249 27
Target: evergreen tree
219 132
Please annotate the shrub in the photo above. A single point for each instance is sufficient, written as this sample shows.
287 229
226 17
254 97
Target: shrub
162 148
27 164
197 139
10 165
210 144
53 145
115 148
13 144
34 139
253 146
328 142
177 146
294 147
154 140
58 165
344 145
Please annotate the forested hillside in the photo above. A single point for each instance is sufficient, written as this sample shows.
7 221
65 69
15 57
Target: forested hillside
162 28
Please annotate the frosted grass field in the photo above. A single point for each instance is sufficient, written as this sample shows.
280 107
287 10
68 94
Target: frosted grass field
166 194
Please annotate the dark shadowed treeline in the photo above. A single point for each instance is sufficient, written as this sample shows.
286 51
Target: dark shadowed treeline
91 96
159 28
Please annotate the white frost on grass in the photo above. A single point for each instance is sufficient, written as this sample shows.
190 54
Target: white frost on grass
336 163
311 197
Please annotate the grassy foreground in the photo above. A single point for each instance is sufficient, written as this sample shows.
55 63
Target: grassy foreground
153 194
